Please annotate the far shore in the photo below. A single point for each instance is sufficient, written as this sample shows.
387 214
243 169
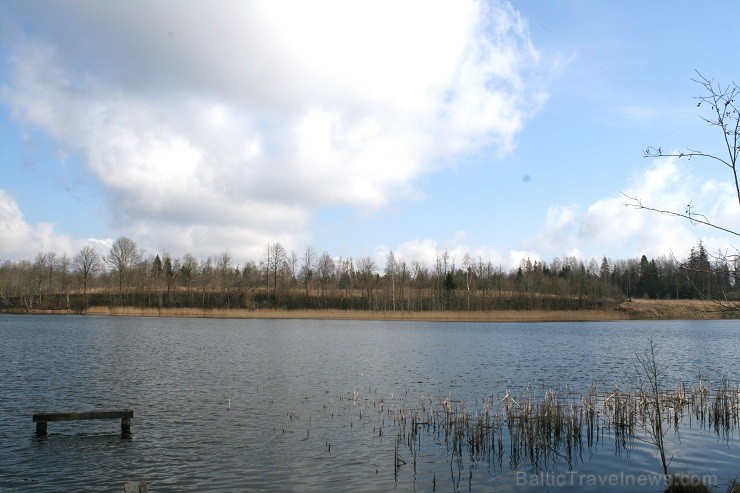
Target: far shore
628 310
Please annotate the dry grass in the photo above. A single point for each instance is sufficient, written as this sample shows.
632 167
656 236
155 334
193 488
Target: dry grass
628 310
443 316
675 310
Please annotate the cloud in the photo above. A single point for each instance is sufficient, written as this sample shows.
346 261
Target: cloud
608 226
20 240
227 127
426 251
560 222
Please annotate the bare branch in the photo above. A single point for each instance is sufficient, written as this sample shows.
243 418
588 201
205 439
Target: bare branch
652 152
654 374
694 217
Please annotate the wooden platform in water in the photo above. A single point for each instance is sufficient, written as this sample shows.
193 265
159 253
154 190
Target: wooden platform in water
125 415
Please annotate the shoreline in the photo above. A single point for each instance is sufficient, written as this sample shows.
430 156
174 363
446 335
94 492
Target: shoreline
627 310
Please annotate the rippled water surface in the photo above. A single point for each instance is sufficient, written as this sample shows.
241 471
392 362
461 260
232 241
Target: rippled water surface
291 405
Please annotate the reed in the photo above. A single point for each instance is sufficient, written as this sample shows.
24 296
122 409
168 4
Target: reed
684 483
733 486
538 431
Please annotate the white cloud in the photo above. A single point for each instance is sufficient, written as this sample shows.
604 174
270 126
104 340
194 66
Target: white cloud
519 256
217 128
20 240
560 222
608 227
426 251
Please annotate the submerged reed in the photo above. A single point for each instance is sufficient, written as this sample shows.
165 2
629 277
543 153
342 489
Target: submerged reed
557 427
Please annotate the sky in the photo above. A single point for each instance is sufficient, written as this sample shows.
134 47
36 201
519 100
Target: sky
501 130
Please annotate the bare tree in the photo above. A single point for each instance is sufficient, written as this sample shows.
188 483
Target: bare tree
42 274
293 266
468 263
86 264
344 275
419 274
122 257
206 279
325 269
366 268
307 269
279 257
250 281
5 282
403 274
223 264
63 265
51 265
266 263
391 266
651 387
188 270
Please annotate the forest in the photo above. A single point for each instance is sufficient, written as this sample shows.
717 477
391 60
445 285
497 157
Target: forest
125 276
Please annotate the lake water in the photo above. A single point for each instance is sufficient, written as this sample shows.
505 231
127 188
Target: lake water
306 405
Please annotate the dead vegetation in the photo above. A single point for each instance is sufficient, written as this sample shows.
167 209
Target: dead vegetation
535 431
628 310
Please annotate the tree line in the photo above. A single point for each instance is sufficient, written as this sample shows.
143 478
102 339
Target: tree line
125 276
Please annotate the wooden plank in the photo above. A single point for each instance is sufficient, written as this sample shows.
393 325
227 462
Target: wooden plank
41 428
136 487
84 415
125 415
126 427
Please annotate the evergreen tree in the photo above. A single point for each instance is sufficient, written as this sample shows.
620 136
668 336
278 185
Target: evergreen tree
699 272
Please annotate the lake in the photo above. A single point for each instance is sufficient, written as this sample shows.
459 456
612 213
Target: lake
309 405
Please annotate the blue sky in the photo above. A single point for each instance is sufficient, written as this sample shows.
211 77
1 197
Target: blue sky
501 130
